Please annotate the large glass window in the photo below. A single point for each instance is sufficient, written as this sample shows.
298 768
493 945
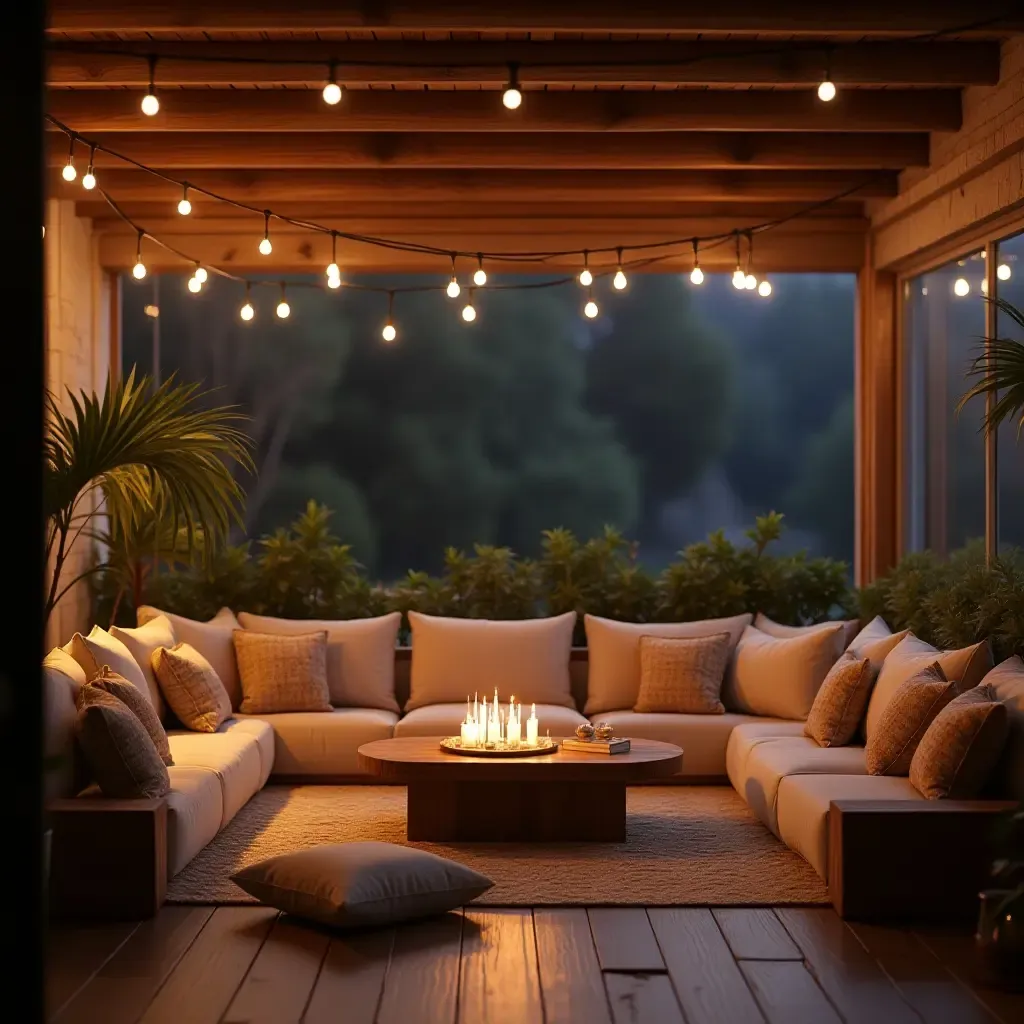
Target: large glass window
944 324
1010 461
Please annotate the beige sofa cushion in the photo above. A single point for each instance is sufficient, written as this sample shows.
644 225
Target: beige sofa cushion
683 674
233 757
282 672
444 720
311 744
100 648
211 639
263 733
195 810
967 665
1007 682
779 678
142 641
614 654
63 677
751 731
525 658
360 655
139 705
850 629
958 751
839 705
191 687
803 803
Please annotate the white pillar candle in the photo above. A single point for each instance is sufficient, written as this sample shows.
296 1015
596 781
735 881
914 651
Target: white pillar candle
513 734
469 734
532 726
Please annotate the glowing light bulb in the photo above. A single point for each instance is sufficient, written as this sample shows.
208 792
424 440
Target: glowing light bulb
68 173
739 279
265 247
247 312
283 309
764 289
697 275
961 287
201 275
332 93
333 270
453 290
89 180
139 270
480 277
590 310
194 284
334 281
150 104
619 280
750 282
184 207
512 98
389 333
468 312
827 91
1003 272
586 278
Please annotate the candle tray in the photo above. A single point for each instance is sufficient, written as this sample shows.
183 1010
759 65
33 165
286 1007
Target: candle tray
453 745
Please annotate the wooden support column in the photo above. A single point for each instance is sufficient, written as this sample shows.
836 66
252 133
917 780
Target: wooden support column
877 425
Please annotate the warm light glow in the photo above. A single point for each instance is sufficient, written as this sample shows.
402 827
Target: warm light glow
334 281
332 93
512 98
333 270
389 333
151 310
480 277
184 207
453 290
961 287
619 280
739 279
247 312
68 173
827 91
984 286
283 309
265 247
750 282
468 312
590 310
1003 272
201 275
139 271
89 180
697 276
764 289
194 284
150 104
586 278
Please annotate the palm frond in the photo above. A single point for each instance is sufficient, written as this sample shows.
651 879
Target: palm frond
998 371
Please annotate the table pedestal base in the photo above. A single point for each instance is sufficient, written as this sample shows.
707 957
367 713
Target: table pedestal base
517 812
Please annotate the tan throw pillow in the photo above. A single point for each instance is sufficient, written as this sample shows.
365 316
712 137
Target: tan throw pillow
840 703
967 666
142 641
613 655
211 639
101 648
354 885
893 742
360 655
683 674
849 630
282 673
778 678
122 758
524 658
961 747
139 706
191 687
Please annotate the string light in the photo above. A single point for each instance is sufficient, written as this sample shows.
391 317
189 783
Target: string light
197 280
469 310
247 312
480 276
332 91
961 287
139 270
827 88
512 97
389 333
89 178
200 275
283 309
453 290
586 278
696 275
739 279
184 204
266 248
764 289
590 310
150 104
619 281
749 280
68 172
333 270
1003 272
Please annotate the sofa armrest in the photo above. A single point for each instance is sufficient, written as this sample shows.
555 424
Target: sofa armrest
910 859
108 857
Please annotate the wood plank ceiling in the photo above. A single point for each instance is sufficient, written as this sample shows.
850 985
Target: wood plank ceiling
640 121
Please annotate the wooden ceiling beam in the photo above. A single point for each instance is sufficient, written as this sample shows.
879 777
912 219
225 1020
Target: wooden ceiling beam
446 111
804 17
892 63
369 150
263 188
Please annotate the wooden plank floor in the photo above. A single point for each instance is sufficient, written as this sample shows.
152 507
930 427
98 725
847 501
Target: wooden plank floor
552 965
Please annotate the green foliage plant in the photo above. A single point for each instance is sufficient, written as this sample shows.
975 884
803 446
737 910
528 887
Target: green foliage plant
998 371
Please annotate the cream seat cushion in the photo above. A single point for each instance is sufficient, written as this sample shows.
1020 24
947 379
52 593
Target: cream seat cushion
262 732
803 804
524 658
747 735
100 648
211 639
966 666
614 654
1007 682
195 809
849 629
142 641
314 743
233 757
769 763
445 719
360 655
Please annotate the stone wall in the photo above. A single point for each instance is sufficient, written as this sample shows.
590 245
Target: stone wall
78 348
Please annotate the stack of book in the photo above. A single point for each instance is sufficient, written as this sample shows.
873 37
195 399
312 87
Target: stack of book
616 745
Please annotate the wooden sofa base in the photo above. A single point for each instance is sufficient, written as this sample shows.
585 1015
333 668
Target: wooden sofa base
896 860
108 857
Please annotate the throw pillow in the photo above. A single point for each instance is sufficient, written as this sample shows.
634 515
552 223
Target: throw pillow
282 673
142 641
1007 682
892 743
352 885
101 648
139 706
360 655
63 678
967 666
211 639
613 680
526 658
840 703
123 760
683 674
191 687
850 628
962 745
779 678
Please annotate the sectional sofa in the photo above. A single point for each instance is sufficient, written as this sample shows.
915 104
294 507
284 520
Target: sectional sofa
820 801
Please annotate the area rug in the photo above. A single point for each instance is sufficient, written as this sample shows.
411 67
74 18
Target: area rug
686 845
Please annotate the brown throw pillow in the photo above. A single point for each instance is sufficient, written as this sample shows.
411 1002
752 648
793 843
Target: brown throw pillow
913 707
839 705
123 759
139 705
191 687
282 673
683 674
961 747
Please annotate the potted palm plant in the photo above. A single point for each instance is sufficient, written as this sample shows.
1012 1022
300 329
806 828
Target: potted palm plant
998 370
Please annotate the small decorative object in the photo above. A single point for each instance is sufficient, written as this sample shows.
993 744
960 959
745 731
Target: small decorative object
612 745
604 731
491 730
584 731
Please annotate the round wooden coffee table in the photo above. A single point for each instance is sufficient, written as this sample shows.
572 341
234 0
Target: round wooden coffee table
568 796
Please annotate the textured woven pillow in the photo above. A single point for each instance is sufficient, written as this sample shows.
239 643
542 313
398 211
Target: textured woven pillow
191 687
683 674
282 673
840 703
121 756
352 885
139 705
892 744
961 747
